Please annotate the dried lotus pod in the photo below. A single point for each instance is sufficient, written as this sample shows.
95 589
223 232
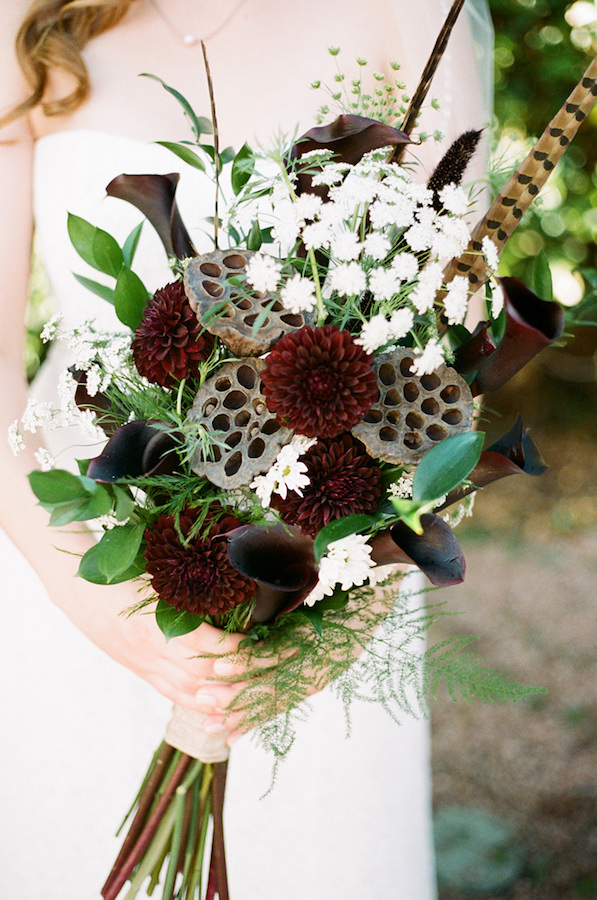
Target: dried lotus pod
231 403
413 412
206 282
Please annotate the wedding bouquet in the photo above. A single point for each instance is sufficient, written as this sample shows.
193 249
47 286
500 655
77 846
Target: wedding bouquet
288 421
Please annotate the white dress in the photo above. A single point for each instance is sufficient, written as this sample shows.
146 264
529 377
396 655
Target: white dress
347 819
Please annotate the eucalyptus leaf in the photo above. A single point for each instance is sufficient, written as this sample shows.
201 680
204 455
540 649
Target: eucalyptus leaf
242 168
130 298
174 623
101 290
199 124
90 570
185 153
129 248
339 529
118 549
446 465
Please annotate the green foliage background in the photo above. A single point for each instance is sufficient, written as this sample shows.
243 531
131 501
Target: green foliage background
539 57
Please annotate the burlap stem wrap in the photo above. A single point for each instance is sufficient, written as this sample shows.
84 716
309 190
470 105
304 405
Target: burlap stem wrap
185 732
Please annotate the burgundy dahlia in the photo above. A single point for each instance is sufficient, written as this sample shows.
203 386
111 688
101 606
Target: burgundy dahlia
318 381
196 577
170 343
343 479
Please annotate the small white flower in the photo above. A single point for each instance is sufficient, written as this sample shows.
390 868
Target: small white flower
374 334
298 294
110 521
403 488
376 245
263 272
50 329
307 206
421 236
345 245
378 574
497 301
452 237
331 174
428 360
85 419
401 322
286 474
347 562
406 266
36 416
316 236
490 252
66 389
454 199
384 283
348 279
301 443
45 460
15 438
430 281
94 379
456 300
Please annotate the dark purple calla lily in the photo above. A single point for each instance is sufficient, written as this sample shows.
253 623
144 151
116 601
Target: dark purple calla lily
155 197
281 560
349 137
136 449
436 552
531 325
469 356
512 454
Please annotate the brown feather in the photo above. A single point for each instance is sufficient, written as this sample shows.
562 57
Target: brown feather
521 189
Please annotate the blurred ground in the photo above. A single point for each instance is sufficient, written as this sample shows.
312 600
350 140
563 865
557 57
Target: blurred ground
530 598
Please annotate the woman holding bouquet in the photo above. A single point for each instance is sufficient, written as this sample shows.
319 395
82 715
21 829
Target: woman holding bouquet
347 818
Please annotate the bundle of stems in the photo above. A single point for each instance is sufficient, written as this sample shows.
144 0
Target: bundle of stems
170 832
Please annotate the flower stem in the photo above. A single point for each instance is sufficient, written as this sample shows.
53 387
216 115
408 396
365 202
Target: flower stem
178 806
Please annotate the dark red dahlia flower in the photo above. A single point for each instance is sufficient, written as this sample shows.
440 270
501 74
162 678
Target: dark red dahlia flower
318 381
196 577
343 479
169 343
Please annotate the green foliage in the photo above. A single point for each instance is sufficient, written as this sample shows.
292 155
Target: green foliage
539 57
446 465
174 623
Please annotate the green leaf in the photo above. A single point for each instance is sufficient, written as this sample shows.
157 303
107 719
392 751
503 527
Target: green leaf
199 124
185 153
129 248
314 614
90 570
339 529
263 314
118 549
99 503
130 298
242 168
102 290
174 623
254 238
58 486
227 155
446 465
98 248
542 283
124 505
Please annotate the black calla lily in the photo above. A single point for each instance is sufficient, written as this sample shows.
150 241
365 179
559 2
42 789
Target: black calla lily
436 552
155 197
134 450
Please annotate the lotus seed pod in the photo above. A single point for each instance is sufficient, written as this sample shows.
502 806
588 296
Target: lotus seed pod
248 438
206 282
413 412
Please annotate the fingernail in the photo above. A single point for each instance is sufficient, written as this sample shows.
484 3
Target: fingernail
214 727
205 699
222 667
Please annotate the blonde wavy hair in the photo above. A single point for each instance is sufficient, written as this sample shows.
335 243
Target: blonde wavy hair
52 36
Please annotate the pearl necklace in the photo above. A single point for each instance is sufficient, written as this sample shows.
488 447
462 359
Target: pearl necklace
189 39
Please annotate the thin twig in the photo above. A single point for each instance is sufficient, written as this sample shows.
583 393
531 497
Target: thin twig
214 121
